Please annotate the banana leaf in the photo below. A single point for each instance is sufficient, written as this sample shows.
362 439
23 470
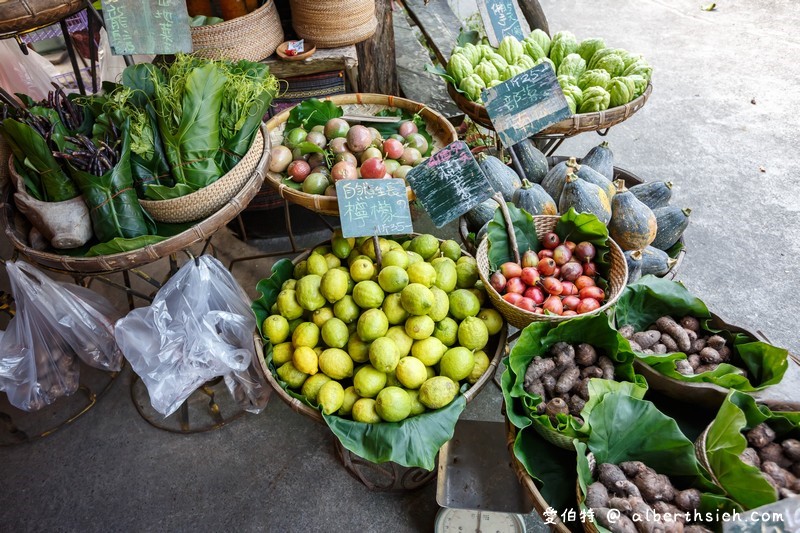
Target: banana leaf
142 79
312 112
624 428
31 149
413 442
119 245
536 339
725 440
649 298
113 206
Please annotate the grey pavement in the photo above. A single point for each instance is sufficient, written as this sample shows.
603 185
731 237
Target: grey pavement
721 124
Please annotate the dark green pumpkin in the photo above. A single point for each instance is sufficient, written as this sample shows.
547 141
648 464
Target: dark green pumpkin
589 174
656 262
500 176
532 198
635 265
633 224
672 222
653 194
480 215
584 197
601 158
533 162
553 182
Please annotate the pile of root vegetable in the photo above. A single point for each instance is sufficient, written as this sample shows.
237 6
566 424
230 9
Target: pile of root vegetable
779 461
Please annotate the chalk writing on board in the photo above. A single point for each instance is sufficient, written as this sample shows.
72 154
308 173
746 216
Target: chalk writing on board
502 18
526 104
449 183
147 27
373 207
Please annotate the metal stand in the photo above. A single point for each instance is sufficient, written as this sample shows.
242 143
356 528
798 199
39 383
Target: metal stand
548 144
384 477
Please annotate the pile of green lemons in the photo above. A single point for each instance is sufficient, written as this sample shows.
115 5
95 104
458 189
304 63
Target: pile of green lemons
381 344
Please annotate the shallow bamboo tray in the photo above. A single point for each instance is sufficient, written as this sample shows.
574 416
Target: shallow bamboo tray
568 127
437 126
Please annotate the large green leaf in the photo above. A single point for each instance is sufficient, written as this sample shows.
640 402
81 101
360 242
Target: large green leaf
162 192
312 112
269 289
120 245
644 301
499 246
142 78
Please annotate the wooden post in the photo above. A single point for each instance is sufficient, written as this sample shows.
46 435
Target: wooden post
377 69
534 14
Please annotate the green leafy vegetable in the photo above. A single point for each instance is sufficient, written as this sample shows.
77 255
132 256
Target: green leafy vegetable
499 247
119 245
312 112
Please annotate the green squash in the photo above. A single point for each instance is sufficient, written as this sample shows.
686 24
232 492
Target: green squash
572 65
471 86
533 49
565 81
612 64
622 91
469 51
510 49
479 215
525 62
635 265
632 224
533 162
656 262
584 197
640 84
672 222
487 71
540 38
548 61
653 194
641 68
510 71
600 54
497 60
588 47
629 57
594 78
500 176
600 158
594 99
532 198
459 67
574 92
571 102
563 44
554 180
587 173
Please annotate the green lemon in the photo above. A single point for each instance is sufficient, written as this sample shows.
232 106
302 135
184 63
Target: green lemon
394 245
335 333
457 363
346 310
362 269
289 284
393 309
463 304
364 411
437 392
276 328
441 305
481 365
417 299
472 333
466 274
372 324
413 257
446 331
431 372
368 247
341 247
332 260
401 340
406 245
281 353
492 319
422 273
392 381
368 382
368 294
334 285
383 354
354 256
330 397
416 406
393 404
358 349
288 305
336 363
429 350
411 372
321 249
420 327
312 385
480 294
446 276
305 360
293 377
306 334
294 323
350 397
396 258
316 264
300 269
321 316
450 249
466 259
393 279
308 294
425 245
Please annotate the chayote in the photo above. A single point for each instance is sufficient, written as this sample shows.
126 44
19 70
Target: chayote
613 64
510 49
459 67
510 71
622 91
571 103
486 50
600 54
493 83
497 60
471 86
572 65
563 44
640 84
574 92
594 99
641 67
588 47
594 78
628 58
541 38
564 80
548 61
525 62
487 71
533 49
471 52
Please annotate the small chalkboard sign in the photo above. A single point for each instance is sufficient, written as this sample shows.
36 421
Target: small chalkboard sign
526 104
502 18
782 516
449 183
369 207
147 26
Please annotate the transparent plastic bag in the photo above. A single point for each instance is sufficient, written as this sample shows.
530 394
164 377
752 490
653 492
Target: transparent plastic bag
28 74
200 326
54 323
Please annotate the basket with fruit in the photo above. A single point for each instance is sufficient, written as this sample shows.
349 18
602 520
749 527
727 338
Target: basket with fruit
317 143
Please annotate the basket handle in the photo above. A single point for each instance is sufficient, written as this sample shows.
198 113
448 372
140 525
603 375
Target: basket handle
512 236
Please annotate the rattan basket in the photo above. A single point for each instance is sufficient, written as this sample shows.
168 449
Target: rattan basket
439 128
203 202
254 36
573 125
332 23
519 318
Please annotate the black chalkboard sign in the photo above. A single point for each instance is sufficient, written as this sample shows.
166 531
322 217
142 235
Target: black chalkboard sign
449 183
502 18
370 207
526 104
147 26
782 516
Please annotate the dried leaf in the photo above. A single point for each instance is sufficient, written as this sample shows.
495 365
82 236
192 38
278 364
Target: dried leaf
709 7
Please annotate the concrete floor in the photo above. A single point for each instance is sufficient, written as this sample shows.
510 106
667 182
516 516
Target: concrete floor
721 124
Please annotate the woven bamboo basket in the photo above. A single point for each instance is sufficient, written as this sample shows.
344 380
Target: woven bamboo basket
332 23
205 201
568 127
26 15
254 36
496 343
439 128
519 318
15 230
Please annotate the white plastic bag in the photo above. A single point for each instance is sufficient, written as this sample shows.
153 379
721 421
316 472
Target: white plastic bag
54 323
200 326
29 74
